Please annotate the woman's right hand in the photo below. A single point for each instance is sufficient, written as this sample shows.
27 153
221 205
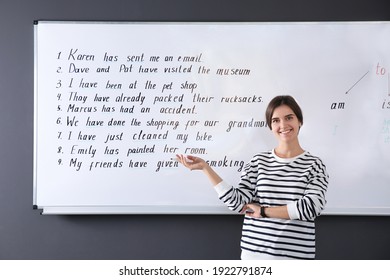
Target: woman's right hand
191 162
196 163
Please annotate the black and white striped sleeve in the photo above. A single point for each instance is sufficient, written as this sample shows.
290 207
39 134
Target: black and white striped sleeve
236 197
313 200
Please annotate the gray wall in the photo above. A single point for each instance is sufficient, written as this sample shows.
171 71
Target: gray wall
25 234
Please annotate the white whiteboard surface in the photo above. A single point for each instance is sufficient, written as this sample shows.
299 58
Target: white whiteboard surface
210 83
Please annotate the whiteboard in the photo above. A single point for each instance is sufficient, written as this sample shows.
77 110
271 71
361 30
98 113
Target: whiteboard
115 101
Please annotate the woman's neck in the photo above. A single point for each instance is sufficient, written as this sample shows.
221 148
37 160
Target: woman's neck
285 150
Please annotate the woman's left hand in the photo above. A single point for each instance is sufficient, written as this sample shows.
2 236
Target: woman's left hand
252 210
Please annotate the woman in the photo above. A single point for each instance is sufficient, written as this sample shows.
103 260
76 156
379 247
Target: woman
281 191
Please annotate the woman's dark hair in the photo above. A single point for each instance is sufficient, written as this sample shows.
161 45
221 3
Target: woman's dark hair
279 101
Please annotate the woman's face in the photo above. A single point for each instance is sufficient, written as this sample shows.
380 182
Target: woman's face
285 124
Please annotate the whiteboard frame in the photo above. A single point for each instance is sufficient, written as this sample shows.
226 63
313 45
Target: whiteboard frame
188 210
153 209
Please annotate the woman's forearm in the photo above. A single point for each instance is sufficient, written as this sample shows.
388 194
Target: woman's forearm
214 178
254 210
279 212
196 163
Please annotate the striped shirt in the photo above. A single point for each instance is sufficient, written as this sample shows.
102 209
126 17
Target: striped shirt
300 183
